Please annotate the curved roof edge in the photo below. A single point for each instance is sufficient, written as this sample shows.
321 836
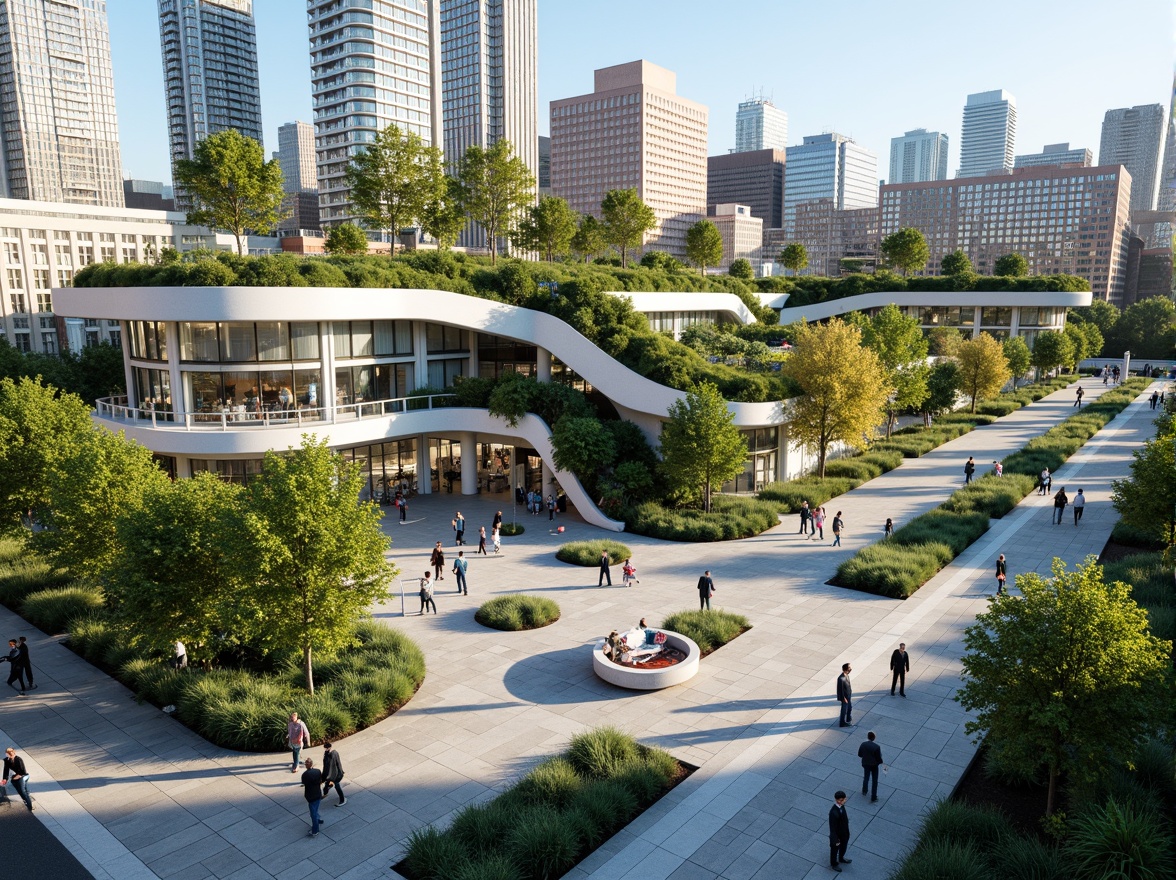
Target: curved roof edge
830 308
694 301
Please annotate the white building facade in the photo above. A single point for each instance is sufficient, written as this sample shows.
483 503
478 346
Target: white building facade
760 125
989 134
917 156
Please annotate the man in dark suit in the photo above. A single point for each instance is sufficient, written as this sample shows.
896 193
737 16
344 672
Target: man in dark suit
900 665
333 773
838 833
845 695
706 588
604 570
871 754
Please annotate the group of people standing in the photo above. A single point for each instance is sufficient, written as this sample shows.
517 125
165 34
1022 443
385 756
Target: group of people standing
316 784
460 567
20 668
535 504
812 523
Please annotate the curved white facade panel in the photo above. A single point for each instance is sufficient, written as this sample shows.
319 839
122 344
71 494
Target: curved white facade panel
924 299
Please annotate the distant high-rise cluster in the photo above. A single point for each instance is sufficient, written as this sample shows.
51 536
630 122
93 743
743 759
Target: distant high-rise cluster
1132 137
1053 154
989 133
760 125
296 158
917 156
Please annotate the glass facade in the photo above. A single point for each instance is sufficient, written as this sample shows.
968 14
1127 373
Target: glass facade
234 342
760 468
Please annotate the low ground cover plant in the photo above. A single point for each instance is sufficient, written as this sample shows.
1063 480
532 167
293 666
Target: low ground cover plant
710 630
587 553
731 517
550 819
517 612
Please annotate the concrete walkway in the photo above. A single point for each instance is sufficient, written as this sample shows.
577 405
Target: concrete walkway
133 794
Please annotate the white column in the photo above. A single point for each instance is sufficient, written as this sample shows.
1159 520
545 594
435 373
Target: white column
128 373
1015 322
179 399
424 479
183 466
543 364
327 354
469 462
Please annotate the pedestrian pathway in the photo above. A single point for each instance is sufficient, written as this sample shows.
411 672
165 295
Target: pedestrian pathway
134 794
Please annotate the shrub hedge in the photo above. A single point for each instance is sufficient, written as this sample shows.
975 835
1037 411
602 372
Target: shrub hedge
587 553
52 610
22 573
552 818
517 612
710 630
731 517
899 566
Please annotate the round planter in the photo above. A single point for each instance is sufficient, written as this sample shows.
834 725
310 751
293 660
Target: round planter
638 679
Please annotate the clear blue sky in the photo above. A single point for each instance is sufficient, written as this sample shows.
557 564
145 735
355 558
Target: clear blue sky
868 69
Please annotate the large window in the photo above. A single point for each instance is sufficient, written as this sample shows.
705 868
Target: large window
240 342
947 316
239 471
442 338
996 317
442 373
148 340
363 339
153 389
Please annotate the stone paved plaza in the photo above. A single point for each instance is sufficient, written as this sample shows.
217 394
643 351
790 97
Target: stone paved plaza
133 794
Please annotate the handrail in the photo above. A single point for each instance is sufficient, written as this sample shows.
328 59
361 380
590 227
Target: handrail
237 418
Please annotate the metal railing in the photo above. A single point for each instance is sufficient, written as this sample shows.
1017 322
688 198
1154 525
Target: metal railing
238 417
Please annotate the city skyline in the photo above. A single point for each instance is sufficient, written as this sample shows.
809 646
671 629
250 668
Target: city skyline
1135 68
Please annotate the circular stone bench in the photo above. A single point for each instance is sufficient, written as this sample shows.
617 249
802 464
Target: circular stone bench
638 679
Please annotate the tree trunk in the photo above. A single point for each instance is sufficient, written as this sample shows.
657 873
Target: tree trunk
706 497
240 251
1053 791
889 422
821 463
308 668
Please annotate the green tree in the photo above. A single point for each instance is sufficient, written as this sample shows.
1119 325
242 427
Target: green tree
97 371
1094 337
701 447
394 179
37 430
851 265
231 185
444 217
794 257
1100 313
582 446
843 388
102 478
1011 266
318 552
548 228
741 269
346 238
955 263
1051 350
906 250
1147 329
626 220
899 342
589 238
1147 501
983 368
1081 348
943 387
1017 355
1066 675
944 341
496 186
179 569
704 245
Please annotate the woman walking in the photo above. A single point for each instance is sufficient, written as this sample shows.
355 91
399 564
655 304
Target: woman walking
819 524
427 593
1001 575
497 538
482 541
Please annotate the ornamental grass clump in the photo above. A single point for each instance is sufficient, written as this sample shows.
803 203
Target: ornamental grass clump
517 612
710 630
1119 840
52 610
941 860
731 517
587 553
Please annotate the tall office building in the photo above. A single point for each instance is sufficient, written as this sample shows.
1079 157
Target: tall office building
633 131
489 75
829 167
1166 199
989 133
59 132
371 65
209 71
760 125
1055 154
917 156
754 179
544 175
1132 136
295 155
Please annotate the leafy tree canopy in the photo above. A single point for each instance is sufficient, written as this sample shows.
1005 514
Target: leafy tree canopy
1011 265
1147 329
794 257
548 228
626 220
955 263
701 447
1051 350
1147 501
902 349
944 341
1018 356
704 245
346 238
983 368
741 268
906 250
943 386
1100 313
588 240
496 186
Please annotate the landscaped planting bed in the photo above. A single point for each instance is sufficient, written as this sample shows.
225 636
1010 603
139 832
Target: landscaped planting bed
517 612
552 818
731 517
898 566
710 630
587 553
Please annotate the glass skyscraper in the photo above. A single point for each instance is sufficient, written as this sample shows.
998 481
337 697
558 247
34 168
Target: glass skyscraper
917 156
59 137
829 167
373 63
760 125
1132 137
989 133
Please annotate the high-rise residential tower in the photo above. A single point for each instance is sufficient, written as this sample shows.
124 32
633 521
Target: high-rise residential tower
489 77
917 156
633 132
59 135
209 71
760 125
1132 136
1166 200
296 157
371 65
1055 154
989 133
832 168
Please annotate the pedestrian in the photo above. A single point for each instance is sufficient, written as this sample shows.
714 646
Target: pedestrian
838 833
437 560
16 671
805 513
998 468
1079 506
629 574
403 509
900 665
969 469
14 769
871 754
312 790
497 522
333 773
496 538
1001 575
1078 397
180 660
427 593
26 664
1106 373
1154 399
482 540
706 589
297 737
819 523
1044 481
605 574
838 525
888 529
1060 502
551 508
459 571
459 527
845 696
